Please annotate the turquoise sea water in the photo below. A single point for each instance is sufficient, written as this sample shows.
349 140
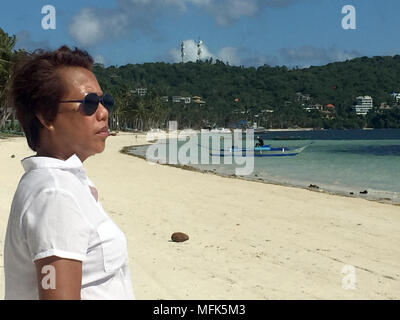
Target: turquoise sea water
337 161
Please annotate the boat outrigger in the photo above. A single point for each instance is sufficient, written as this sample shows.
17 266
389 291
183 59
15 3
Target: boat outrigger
263 151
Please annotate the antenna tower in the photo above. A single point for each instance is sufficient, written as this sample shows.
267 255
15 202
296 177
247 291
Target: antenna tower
183 50
199 49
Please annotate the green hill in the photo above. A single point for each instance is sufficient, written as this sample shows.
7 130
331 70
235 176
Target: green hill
257 90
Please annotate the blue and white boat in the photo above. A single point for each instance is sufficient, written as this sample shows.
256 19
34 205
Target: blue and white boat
263 151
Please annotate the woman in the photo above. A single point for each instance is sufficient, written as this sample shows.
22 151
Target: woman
60 244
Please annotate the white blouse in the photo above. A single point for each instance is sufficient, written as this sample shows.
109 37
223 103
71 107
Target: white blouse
54 213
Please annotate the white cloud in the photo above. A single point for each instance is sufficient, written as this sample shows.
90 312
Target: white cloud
86 27
307 55
229 54
228 11
92 25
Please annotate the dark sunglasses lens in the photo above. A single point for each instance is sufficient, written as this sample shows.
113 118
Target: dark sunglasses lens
91 103
108 101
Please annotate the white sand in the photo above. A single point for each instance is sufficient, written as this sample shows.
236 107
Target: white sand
248 240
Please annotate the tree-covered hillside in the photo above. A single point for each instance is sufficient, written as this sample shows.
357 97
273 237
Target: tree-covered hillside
236 93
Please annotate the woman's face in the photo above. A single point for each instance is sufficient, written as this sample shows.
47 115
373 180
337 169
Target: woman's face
75 132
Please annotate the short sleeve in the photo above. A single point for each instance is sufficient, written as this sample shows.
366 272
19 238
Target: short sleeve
54 225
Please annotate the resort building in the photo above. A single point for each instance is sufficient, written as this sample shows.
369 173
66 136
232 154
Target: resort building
364 104
315 107
267 111
197 99
396 96
176 99
384 106
140 91
185 100
303 96
329 111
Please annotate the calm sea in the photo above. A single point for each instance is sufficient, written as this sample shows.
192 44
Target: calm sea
338 161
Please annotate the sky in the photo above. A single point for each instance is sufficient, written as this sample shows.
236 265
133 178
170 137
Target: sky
241 32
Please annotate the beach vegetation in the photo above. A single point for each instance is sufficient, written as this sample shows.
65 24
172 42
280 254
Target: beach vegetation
7 44
8 57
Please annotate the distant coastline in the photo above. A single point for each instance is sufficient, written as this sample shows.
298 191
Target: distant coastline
313 129
291 129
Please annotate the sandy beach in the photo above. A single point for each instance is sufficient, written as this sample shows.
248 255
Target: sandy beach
247 240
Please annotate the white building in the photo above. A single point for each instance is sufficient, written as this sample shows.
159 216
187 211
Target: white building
176 99
364 104
197 99
396 96
303 96
140 91
315 107
186 100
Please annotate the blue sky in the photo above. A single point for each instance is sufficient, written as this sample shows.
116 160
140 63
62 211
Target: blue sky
242 32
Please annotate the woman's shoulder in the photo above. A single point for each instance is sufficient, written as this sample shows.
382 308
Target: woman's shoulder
48 177
35 182
43 187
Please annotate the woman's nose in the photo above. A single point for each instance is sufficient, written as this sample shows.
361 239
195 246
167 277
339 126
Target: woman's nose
102 111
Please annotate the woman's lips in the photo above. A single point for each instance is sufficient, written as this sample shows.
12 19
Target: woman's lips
104 132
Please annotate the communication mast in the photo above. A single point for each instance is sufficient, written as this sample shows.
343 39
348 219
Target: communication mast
199 50
182 50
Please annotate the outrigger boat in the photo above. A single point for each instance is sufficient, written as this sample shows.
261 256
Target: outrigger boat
264 151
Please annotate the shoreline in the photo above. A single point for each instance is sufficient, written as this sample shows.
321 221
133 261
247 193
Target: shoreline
125 150
255 130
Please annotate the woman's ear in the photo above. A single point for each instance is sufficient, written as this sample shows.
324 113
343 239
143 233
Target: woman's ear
45 123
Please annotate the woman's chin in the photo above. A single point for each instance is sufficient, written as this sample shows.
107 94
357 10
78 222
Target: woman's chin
101 147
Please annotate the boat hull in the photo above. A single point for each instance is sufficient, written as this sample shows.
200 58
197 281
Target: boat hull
258 152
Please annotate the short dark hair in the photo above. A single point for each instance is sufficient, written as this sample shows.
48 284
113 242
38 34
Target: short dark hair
36 87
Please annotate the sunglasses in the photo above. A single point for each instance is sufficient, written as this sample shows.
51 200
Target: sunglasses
92 100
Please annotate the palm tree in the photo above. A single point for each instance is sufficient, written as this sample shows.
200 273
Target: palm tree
119 113
7 44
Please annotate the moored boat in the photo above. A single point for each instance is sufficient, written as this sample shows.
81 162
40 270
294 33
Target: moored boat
220 130
264 151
